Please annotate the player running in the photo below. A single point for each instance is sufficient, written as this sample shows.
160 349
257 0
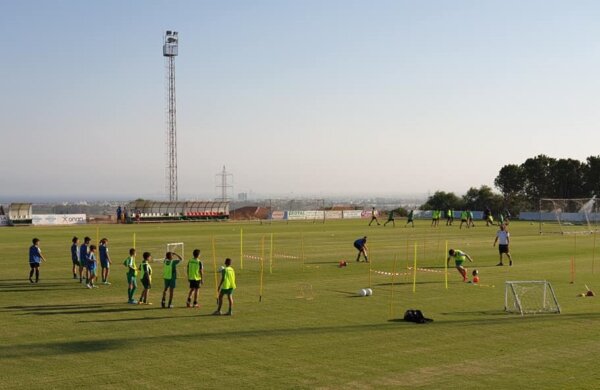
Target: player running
459 258
410 218
391 218
374 217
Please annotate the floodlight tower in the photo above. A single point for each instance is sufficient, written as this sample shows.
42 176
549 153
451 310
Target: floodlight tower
170 51
224 185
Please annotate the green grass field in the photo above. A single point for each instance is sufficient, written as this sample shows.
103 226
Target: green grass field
310 330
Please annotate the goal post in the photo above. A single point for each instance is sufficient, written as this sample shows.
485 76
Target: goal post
176 247
569 216
530 297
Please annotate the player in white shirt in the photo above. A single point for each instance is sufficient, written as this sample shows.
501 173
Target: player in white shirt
503 239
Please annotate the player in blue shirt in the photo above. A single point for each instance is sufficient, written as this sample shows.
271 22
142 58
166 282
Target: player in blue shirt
83 258
91 266
105 261
75 257
361 247
35 259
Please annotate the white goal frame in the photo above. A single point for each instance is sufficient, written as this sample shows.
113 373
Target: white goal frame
513 302
569 215
172 247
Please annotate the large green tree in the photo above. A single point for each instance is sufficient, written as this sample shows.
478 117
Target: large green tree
441 200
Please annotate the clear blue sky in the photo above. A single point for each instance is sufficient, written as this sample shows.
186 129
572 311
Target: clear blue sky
294 97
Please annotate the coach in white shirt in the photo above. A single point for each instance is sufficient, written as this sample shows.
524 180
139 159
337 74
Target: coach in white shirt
503 239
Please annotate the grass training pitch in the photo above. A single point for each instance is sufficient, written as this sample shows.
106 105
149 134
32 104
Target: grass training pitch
311 329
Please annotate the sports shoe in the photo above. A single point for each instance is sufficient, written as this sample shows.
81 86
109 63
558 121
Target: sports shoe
196 305
499 265
133 302
162 304
171 306
88 285
229 313
107 283
216 313
140 303
94 286
188 304
74 276
30 280
510 263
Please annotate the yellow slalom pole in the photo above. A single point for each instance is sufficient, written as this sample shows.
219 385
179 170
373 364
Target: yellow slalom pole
134 240
302 247
446 265
594 253
97 235
262 267
415 270
214 256
271 255
392 292
241 248
424 248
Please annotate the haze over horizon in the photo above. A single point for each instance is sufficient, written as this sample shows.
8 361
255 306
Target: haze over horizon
312 97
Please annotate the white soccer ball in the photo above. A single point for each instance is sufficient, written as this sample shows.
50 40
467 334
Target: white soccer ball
362 293
369 292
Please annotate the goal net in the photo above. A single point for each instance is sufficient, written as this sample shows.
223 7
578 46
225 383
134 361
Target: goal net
530 297
569 216
176 247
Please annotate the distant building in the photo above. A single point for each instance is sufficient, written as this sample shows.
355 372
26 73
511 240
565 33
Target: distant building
242 196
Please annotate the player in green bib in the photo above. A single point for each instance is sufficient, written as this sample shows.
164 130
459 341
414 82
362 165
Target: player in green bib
194 271
464 218
170 277
410 218
226 287
131 276
459 258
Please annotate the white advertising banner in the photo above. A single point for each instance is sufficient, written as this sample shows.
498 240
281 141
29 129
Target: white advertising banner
295 215
352 214
278 215
333 214
3 220
59 219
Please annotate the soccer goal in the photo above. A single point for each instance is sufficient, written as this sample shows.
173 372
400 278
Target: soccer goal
569 216
530 297
176 247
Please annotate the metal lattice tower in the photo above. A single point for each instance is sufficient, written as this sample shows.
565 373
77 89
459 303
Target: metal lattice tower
170 51
223 180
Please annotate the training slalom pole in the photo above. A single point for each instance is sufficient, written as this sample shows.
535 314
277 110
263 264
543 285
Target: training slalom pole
392 291
271 255
370 273
424 247
594 252
572 270
214 256
262 267
446 266
302 248
134 240
415 270
97 235
241 248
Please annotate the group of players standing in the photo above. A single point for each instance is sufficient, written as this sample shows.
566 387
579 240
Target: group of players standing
466 218
84 260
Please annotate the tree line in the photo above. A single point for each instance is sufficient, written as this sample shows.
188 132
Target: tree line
523 185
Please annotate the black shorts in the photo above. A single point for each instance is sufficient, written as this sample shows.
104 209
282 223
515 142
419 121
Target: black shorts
194 284
358 247
146 283
34 265
502 248
75 261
